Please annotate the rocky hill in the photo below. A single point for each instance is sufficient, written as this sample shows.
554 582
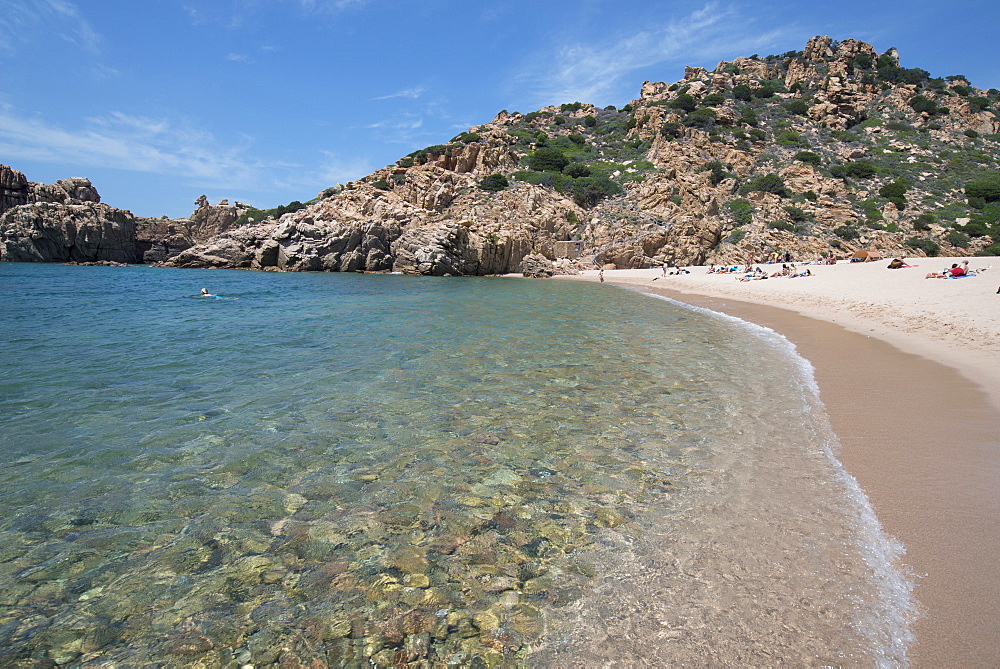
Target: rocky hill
817 152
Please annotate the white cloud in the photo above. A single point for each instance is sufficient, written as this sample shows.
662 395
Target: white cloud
23 21
337 170
239 58
408 124
592 71
331 5
411 93
122 141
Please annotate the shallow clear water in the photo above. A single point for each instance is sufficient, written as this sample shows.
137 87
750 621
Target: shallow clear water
355 468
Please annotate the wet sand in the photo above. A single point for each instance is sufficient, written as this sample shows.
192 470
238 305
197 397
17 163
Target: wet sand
923 441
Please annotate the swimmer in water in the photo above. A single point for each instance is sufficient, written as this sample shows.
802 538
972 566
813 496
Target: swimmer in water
205 293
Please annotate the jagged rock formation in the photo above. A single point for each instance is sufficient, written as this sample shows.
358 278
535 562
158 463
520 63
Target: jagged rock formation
16 190
53 232
160 239
65 222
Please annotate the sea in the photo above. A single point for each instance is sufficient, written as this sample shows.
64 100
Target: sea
385 470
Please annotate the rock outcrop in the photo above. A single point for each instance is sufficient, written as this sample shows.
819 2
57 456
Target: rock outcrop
51 232
16 190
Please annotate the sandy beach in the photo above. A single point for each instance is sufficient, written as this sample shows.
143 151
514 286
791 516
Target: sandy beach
909 370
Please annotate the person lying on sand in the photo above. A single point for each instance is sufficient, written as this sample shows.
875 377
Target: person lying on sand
897 263
954 270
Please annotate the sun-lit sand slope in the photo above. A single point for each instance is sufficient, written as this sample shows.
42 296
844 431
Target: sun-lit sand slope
954 321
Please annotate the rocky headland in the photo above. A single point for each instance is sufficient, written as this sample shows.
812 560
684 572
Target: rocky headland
818 152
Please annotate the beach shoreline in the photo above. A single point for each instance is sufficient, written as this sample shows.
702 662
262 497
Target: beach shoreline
909 371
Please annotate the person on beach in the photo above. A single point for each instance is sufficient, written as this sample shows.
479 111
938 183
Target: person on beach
897 263
600 275
954 271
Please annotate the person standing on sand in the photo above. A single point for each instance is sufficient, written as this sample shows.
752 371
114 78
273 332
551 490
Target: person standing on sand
600 275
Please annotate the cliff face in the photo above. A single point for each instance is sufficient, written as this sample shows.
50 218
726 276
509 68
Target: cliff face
817 152
52 232
61 222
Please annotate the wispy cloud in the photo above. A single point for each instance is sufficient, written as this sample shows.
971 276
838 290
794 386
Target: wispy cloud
23 21
592 71
411 93
331 5
122 141
336 169
239 58
407 124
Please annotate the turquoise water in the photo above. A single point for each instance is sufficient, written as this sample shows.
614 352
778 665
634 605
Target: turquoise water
358 469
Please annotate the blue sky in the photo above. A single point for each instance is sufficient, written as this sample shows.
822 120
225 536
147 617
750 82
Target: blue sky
269 101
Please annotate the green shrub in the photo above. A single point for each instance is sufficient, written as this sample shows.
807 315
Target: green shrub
742 92
468 137
589 121
765 91
859 169
976 228
717 169
570 107
576 170
895 192
547 159
741 210
684 102
799 107
978 104
405 162
847 232
589 191
808 157
923 222
921 104
671 129
736 236
494 183
769 183
810 195
956 238
703 118
790 138
795 213
928 246
971 133
985 188
991 250
781 225
714 99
